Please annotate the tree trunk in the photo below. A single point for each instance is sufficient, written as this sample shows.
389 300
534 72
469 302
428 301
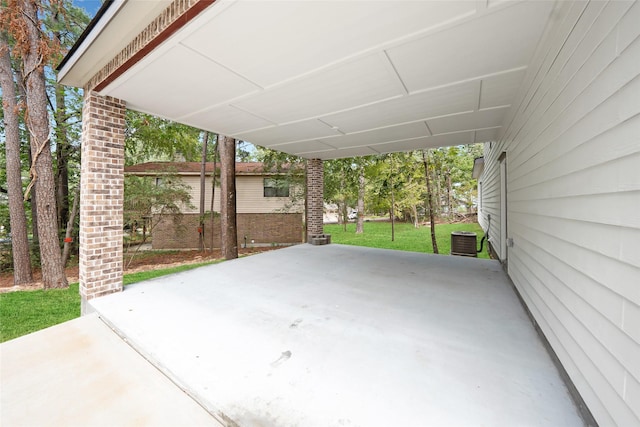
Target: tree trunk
33 201
37 119
361 188
432 221
437 202
32 196
213 189
344 213
62 158
203 171
17 218
63 147
449 208
393 203
229 231
66 249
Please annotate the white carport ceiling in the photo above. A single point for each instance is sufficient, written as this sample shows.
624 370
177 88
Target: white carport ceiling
331 79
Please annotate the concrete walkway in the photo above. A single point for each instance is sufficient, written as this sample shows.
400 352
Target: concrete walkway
344 336
80 373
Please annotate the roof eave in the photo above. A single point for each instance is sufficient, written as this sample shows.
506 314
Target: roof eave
102 18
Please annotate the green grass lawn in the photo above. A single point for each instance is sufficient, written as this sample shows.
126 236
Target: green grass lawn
377 234
23 312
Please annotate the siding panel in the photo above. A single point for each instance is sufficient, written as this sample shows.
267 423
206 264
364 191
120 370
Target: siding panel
546 56
623 71
573 202
597 151
631 320
576 365
609 302
621 347
632 395
250 194
561 86
618 243
588 364
620 277
552 308
614 209
629 29
619 175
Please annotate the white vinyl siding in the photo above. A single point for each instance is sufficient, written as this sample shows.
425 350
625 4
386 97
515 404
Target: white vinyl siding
573 194
249 192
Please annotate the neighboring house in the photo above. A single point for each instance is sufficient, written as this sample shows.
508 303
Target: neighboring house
269 211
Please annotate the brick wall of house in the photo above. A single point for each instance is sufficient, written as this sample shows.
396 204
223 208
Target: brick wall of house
101 196
181 231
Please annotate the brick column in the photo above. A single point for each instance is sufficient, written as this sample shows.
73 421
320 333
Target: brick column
101 197
315 189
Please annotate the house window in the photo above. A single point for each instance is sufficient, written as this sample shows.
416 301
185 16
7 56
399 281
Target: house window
276 187
158 182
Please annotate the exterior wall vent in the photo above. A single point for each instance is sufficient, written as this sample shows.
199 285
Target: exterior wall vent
464 243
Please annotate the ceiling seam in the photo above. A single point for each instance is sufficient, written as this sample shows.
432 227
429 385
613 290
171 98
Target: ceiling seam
254 115
394 70
467 130
469 80
235 73
354 108
336 128
428 128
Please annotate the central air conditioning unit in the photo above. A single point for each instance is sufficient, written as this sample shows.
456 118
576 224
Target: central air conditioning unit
464 243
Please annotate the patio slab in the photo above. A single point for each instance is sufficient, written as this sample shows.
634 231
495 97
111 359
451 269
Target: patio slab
346 336
80 373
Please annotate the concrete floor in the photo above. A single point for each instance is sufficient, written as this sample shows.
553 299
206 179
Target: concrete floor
346 336
304 336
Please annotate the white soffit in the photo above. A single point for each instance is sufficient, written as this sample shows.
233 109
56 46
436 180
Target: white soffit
377 136
335 79
438 102
227 120
357 82
467 121
274 41
184 75
300 131
124 20
493 43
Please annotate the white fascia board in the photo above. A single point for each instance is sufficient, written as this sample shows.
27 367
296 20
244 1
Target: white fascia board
89 39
